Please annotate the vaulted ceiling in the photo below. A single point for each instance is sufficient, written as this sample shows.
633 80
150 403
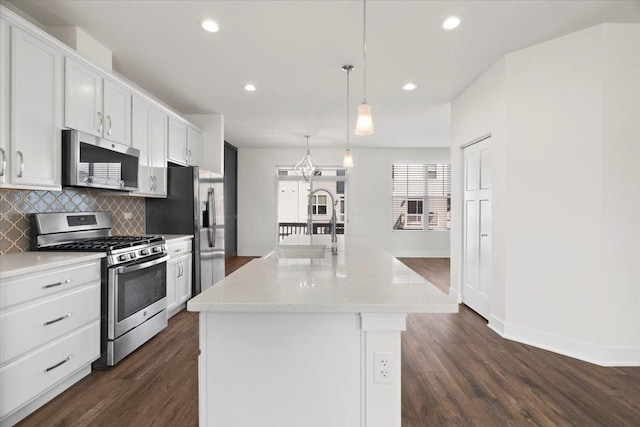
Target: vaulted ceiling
293 51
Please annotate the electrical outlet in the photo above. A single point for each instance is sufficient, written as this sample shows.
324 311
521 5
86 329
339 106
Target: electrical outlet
127 215
384 366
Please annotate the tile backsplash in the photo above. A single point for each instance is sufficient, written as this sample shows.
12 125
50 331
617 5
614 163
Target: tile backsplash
16 205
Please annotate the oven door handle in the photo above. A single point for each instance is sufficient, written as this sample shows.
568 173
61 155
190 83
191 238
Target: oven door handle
137 267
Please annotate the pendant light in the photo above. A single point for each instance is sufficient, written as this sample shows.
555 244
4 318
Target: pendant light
307 166
364 125
347 162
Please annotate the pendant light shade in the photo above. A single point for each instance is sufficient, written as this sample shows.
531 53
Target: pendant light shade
307 166
347 161
364 125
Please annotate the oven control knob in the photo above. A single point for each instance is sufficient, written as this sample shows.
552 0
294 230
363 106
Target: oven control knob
144 252
122 258
132 256
155 249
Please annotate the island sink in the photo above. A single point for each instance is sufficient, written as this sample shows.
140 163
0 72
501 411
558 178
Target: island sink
300 251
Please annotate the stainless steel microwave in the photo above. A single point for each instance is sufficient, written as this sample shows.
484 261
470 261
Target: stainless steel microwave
91 161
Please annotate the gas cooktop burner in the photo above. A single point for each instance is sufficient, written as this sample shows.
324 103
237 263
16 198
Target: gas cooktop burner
108 243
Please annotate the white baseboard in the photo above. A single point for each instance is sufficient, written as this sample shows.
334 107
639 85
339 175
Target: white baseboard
599 355
421 254
453 293
497 325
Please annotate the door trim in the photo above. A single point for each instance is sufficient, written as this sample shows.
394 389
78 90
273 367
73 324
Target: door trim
461 198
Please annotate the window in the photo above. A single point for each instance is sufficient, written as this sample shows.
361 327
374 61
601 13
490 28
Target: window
415 185
319 204
293 198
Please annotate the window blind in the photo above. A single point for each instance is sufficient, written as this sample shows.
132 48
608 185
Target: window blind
408 196
439 196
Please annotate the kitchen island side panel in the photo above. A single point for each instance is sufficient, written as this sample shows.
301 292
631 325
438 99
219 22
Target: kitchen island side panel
284 369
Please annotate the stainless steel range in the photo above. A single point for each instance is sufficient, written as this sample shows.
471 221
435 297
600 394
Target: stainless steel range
134 287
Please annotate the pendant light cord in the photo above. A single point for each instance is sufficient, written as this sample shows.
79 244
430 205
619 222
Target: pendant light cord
348 72
364 50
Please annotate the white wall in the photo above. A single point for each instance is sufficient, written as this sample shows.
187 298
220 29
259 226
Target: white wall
554 165
368 198
566 197
621 187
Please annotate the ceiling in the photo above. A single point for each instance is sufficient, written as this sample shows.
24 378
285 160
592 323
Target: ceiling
293 51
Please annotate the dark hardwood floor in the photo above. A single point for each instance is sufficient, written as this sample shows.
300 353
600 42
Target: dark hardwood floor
455 371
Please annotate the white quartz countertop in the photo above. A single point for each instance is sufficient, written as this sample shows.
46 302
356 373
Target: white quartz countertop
361 278
173 238
15 264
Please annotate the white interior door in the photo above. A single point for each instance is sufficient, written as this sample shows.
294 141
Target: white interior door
476 263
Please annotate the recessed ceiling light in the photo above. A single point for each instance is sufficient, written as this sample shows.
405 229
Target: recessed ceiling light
451 22
249 88
209 25
409 86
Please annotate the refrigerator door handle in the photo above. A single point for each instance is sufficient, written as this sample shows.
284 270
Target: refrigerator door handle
211 202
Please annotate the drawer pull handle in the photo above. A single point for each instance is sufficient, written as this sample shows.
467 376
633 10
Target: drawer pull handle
180 250
53 285
58 319
51 368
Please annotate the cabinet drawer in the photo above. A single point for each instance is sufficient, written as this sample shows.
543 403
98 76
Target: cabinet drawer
36 324
33 374
29 287
179 248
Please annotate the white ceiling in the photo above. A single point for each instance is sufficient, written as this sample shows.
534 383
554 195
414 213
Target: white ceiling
293 52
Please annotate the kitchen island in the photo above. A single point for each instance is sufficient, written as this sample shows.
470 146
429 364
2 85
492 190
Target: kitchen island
302 338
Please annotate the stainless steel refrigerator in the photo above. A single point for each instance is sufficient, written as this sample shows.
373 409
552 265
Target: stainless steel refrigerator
194 205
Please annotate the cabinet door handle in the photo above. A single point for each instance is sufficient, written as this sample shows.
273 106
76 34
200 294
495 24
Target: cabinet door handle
154 181
53 285
100 121
189 156
58 319
186 155
4 162
21 170
51 368
109 119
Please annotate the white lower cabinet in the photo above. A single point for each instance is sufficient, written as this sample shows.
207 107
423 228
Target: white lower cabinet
179 275
50 335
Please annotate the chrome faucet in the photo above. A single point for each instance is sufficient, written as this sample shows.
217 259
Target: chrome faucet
334 238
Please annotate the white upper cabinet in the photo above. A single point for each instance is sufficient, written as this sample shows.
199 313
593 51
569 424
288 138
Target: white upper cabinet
185 143
117 113
95 104
158 137
177 152
149 135
194 146
31 113
83 98
5 44
211 144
